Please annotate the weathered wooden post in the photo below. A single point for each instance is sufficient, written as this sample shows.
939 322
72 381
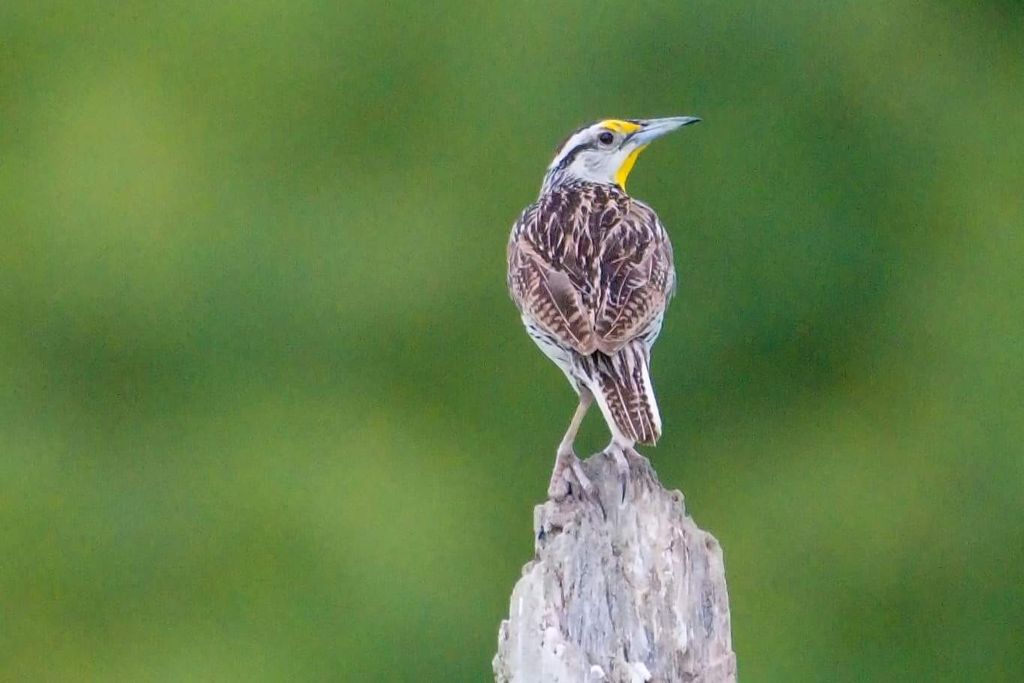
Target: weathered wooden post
620 590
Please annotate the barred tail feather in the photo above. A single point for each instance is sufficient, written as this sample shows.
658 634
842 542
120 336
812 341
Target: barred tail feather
621 383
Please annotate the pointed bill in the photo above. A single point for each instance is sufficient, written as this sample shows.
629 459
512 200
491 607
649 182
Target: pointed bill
653 129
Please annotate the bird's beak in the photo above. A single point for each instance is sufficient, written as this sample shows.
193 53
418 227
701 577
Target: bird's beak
649 131
654 128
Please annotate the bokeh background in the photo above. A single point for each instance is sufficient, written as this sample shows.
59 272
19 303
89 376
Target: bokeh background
267 413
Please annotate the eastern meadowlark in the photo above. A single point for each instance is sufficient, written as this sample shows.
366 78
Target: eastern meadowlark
590 269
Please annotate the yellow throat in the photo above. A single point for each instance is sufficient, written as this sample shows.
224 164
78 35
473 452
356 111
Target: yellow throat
627 166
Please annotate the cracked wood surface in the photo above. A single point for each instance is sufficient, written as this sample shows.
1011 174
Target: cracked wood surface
619 591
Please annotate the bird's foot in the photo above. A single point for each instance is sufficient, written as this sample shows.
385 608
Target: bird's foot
627 459
637 459
568 477
617 453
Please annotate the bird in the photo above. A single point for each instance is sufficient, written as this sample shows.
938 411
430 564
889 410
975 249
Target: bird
591 272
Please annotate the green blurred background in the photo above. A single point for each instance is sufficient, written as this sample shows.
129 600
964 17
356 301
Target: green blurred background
267 412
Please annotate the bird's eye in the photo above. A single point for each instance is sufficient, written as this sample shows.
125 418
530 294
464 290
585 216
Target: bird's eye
606 138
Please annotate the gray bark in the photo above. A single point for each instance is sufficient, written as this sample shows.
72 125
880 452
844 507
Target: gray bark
618 591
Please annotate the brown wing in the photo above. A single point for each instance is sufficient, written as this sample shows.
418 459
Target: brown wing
590 266
637 278
544 274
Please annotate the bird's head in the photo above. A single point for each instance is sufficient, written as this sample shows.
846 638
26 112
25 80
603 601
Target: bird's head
604 152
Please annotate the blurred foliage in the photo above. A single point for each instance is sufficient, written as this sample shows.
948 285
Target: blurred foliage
267 413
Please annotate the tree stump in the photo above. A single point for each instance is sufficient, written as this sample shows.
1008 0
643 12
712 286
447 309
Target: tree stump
622 589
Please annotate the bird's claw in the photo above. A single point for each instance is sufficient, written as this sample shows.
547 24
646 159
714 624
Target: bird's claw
569 475
622 467
625 457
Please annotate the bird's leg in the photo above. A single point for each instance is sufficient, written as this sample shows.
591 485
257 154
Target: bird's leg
567 465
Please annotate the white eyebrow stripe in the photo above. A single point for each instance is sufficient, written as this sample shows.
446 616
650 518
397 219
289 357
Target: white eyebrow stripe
572 143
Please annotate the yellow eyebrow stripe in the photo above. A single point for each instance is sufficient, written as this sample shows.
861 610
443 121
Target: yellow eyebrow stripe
620 126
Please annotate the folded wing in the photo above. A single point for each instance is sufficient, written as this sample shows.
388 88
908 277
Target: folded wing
594 269
637 279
